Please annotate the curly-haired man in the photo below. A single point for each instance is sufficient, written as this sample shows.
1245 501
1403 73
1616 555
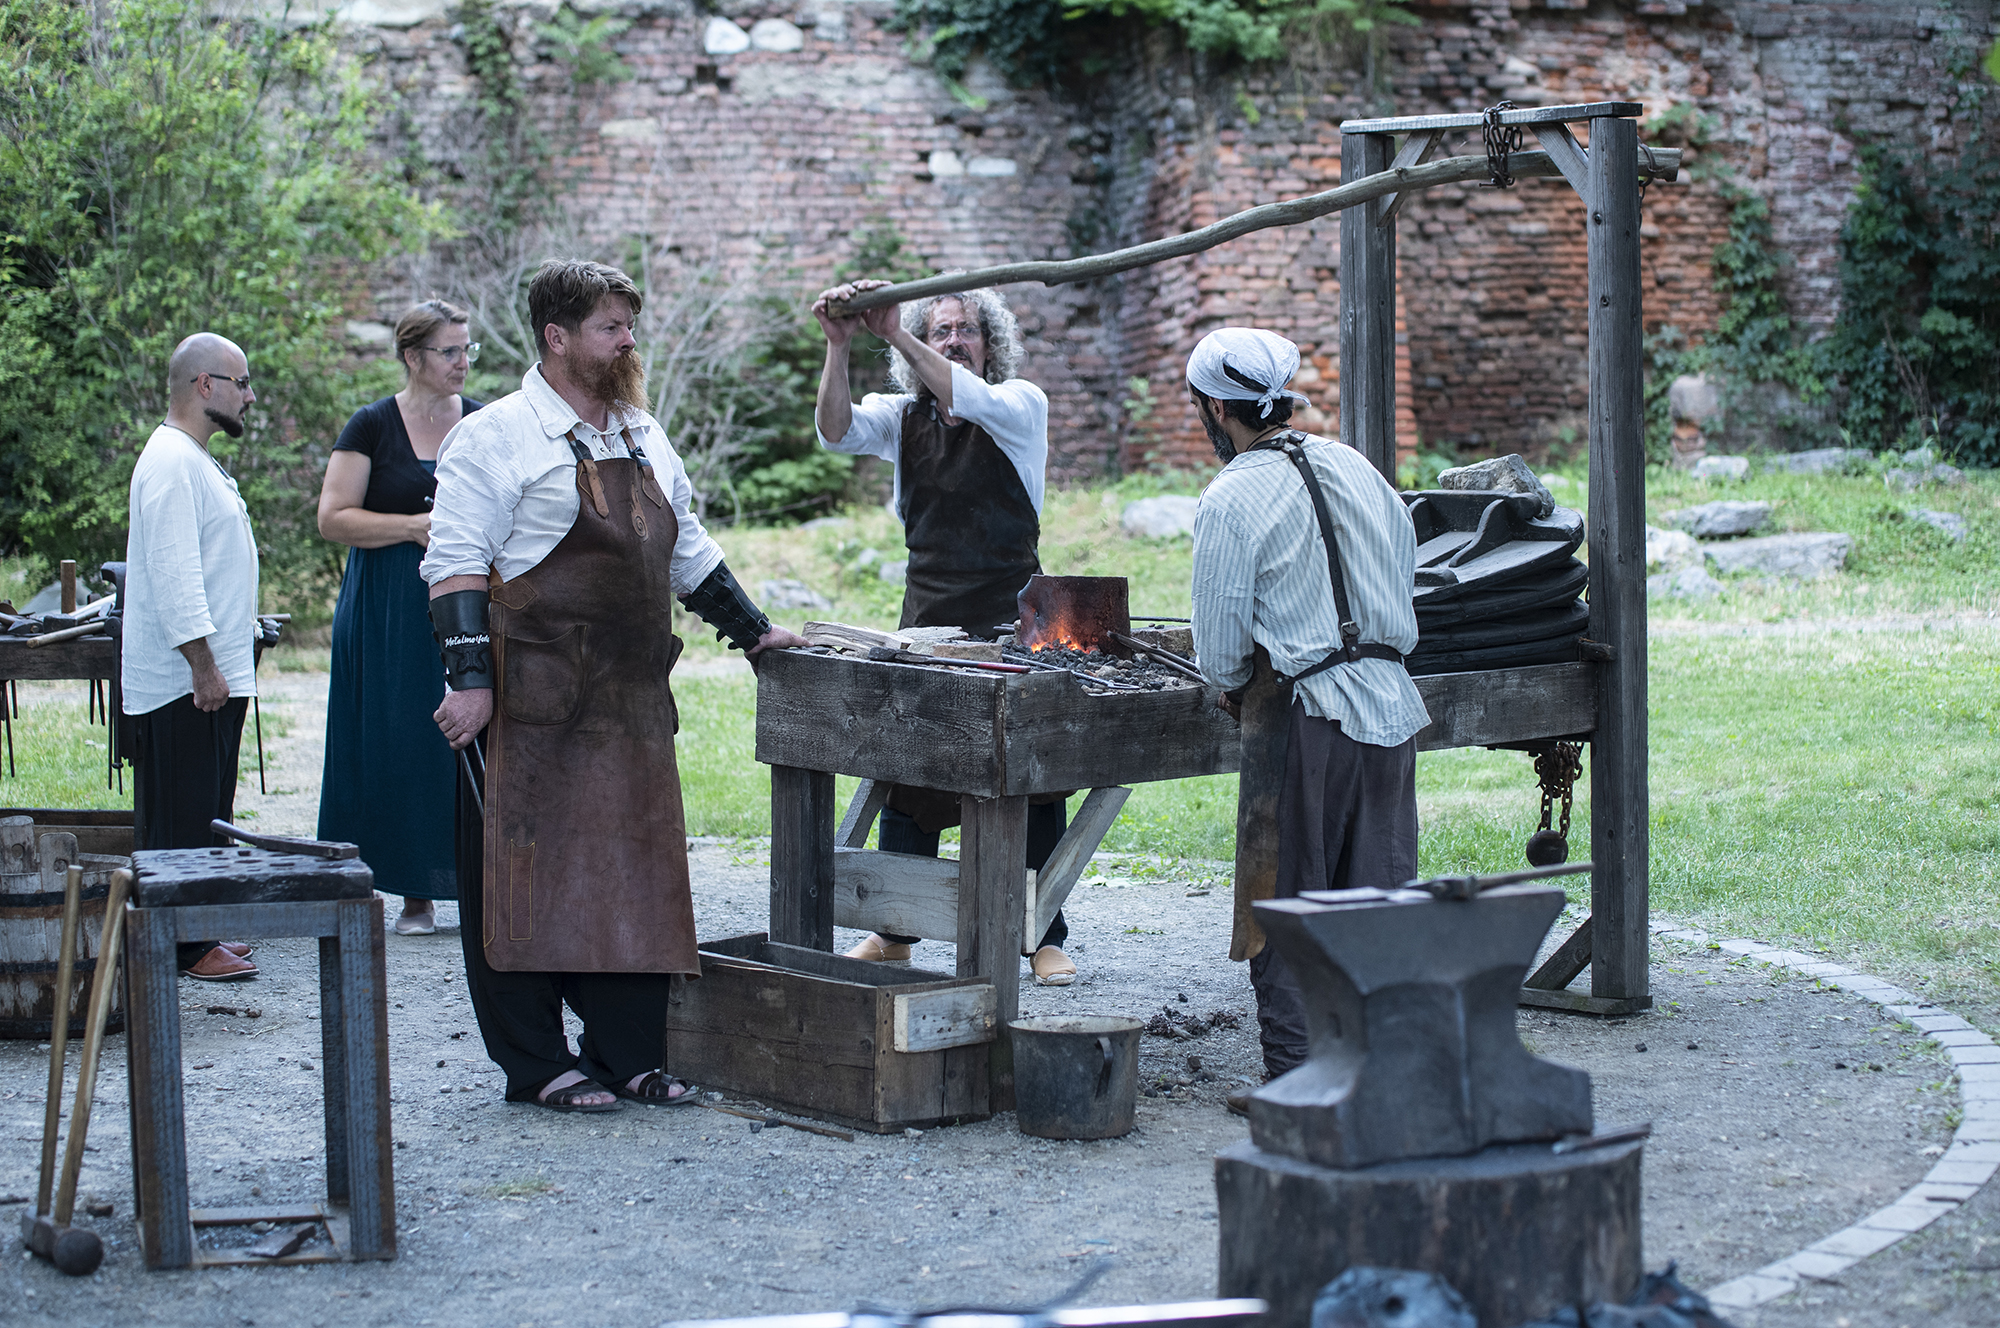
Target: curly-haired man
969 442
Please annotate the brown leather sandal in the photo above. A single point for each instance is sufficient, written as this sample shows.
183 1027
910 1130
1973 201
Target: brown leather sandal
655 1090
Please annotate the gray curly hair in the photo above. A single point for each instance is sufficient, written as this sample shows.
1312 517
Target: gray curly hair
997 326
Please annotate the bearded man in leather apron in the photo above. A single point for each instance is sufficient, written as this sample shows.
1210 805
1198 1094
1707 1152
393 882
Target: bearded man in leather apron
561 526
1304 564
969 442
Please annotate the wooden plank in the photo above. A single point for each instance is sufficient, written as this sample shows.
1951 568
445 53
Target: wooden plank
992 895
1576 1002
869 799
1567 154
903 724
944 1017
802 829
1368 314
194 922
1508 705
1059 737
899 894
1416 150
1520 115
1618 822
1059 874
159 1130
782 1018
364 1028
333 1067
1560 968
81 658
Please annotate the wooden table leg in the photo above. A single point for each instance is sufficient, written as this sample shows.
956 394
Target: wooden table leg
802 830
153 1052
992 896
364 1031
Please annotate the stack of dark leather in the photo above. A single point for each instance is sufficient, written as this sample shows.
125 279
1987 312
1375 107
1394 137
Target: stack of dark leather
1498 581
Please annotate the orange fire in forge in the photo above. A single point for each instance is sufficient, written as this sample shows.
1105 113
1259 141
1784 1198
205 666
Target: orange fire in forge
1074 612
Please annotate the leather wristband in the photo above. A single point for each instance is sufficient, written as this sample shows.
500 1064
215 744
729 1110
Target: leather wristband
458 625
723 604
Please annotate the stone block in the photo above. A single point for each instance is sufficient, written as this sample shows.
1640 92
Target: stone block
790 594
1950 523
721 37
1670 550
1721 468
1689 583
1802 556
1820 461
1503 474
1695 398
1724 519
775 34
1518 1230
1165 517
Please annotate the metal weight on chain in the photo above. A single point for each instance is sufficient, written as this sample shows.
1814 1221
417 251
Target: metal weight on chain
1557 767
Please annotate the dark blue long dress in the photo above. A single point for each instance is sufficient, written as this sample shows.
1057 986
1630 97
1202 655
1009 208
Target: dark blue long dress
390 777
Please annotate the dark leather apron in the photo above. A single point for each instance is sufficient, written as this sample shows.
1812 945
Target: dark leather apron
1266 712
972 533
971 529
586 842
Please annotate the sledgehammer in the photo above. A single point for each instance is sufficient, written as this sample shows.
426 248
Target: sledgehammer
48 1232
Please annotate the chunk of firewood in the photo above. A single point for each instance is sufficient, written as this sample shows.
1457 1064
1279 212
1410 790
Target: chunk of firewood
845 636
978 650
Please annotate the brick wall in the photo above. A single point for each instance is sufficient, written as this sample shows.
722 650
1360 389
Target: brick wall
773 155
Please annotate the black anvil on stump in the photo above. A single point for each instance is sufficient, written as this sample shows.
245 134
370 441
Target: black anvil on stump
1410 1006
1420 1133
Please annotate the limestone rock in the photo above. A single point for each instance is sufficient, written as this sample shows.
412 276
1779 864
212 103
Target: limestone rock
1694 398
1820 461
789 594
895 573
1167 517
1507 474
1670 550
721 37
1689 583
945 162
1722 468
1804 557
1721 520
991 167
775 34
1951 523
379 336
1905 480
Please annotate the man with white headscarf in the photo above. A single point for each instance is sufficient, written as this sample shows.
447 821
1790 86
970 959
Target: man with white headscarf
1304 564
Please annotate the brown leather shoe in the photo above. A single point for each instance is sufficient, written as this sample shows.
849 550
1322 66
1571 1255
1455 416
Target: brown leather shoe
1239 1101
241 949
876 950
218 965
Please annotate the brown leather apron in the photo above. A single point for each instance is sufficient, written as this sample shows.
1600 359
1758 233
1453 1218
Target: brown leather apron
586 842
1267 739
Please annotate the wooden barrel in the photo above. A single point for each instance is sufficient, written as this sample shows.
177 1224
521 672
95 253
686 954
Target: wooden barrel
33 866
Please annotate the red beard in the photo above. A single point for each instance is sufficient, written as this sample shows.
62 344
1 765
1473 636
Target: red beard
620 380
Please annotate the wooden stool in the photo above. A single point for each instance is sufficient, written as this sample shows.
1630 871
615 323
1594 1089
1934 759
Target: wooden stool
192 894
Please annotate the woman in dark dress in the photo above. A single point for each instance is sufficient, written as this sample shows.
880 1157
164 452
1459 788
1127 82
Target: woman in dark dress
390 776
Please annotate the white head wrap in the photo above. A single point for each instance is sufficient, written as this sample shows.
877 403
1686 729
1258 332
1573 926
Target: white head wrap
1244 364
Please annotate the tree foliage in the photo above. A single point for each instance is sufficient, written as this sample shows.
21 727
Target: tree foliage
164 172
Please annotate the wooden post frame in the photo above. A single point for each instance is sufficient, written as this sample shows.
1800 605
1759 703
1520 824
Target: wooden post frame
1606 173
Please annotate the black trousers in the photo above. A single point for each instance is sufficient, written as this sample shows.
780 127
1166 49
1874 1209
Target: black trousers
520 1014
183 777
900 833
1347 819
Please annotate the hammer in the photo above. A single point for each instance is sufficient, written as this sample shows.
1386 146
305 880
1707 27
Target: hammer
48 1233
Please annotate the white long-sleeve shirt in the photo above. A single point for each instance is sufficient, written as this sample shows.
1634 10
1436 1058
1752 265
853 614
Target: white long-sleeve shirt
190 574
1260 579
506 486
1015 414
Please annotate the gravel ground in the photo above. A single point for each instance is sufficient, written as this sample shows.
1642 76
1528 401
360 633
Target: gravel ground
1782 1112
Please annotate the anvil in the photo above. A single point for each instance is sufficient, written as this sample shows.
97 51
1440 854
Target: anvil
1410 1020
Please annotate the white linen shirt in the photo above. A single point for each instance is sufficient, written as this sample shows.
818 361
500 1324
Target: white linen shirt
1260 578
1014 413
190 574
506 486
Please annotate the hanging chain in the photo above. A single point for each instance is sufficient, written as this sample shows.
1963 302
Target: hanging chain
1501 140
1558 767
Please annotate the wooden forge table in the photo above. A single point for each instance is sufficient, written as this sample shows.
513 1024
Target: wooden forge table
998 740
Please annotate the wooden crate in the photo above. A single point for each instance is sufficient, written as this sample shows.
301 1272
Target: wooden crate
866 1045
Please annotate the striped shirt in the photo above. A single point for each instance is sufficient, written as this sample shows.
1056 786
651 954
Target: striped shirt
1260 579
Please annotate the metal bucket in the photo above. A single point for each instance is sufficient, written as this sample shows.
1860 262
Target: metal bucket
1076 1076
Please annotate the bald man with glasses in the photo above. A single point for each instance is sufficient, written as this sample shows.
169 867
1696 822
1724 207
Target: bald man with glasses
189 669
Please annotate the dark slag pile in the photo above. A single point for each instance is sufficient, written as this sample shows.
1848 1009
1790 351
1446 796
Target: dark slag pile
1142 673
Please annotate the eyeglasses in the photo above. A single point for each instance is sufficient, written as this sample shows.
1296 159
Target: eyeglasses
946 332
242 384
453 354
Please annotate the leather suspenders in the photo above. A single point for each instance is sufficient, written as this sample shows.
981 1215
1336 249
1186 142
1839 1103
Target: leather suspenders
1351 647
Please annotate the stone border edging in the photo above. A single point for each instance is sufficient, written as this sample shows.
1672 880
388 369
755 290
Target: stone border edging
1969 1161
